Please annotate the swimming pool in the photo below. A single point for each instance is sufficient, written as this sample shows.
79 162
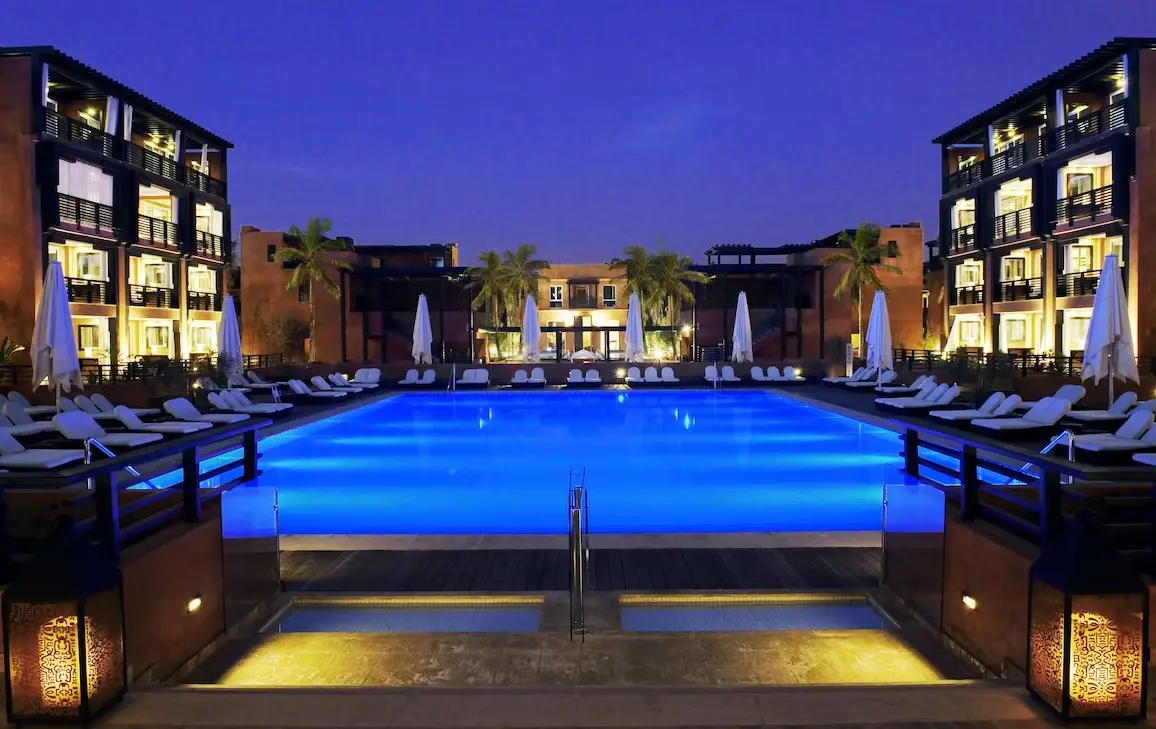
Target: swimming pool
501 463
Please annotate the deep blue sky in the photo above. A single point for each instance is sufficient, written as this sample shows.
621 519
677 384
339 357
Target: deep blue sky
580 126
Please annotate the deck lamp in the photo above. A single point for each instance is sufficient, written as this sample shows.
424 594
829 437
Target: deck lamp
64 634
1087 628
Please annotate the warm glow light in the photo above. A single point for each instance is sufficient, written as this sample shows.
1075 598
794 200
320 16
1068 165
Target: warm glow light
195 604
619 372
969 602
59 649
686 330
1105 667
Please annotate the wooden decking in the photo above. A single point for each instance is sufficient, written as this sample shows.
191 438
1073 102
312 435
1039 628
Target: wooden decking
536 570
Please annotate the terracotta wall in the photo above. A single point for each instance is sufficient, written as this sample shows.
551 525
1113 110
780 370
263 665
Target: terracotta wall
161 575
935 282
1142 256
19 207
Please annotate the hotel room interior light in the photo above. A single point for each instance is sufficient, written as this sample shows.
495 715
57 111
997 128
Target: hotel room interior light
1088 628
194 604
969 602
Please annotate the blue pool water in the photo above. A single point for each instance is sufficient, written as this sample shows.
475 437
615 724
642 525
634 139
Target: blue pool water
501 462
368 619
742 618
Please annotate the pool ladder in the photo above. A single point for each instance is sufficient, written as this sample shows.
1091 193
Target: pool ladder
578 509
1051 446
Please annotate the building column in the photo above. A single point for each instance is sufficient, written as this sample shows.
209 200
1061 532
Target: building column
442 315
383 332
341 302
694 322
782 316
822 316
182 291
797 280
726 310
989 283
1049 269
121 323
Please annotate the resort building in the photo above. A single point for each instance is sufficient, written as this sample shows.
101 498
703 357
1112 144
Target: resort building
129 196
791 296
1037 190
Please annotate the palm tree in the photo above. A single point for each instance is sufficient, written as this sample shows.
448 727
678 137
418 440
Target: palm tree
671 273
489 279
522 273
637 274
310 257
864 260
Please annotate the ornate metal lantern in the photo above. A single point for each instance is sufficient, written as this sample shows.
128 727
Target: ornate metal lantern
1088 628
64 634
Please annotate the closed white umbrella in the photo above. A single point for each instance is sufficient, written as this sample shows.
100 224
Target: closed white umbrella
229 339
952 342
422 334
635 344
531 331
54 358
879 335
1108 350
742 343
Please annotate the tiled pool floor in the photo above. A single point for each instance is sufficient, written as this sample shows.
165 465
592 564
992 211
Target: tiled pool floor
609 656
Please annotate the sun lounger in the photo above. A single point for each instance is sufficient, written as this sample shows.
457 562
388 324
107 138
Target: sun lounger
758 376
791 374
85 405
36 427
223 403
634 376
943 399
184 427
256 382
894 389
301 389
339 379
1117 411
182 409
474 377
859 374
1148 459
15 455
319 383
668 375
651 376
1072 393
409 379
711 374
233 397
537 376
367 376
574 378
926 391
996 406
728 374
520 378
79 426
1039 421
29 408
593 378
886 378
1134 436
105 406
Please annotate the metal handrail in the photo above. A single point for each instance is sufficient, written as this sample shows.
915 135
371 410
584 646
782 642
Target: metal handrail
579 545
90 443
1067 478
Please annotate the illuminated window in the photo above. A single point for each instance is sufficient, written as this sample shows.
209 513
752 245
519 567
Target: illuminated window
969 333
555 296
1017 330
609 296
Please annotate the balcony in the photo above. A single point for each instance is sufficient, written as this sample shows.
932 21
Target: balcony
1080 283
78 133
204 301
84 215
89 291
157 232
1012 226
583 301
150 161
1014 157
1076 131
965 177
209 245
1086 206
964 295
152 296
962 239
1024 289
204 183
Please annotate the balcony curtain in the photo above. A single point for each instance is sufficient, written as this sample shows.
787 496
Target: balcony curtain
204 159
178 153
111 115
44 85
85 182
128 122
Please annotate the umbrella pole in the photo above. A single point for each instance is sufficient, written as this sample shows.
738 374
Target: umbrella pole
1111 377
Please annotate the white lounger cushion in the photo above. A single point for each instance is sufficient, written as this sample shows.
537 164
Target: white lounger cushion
728 374
79 426
633 374
1118 410
651 375
1148 459
854 376
790 373
757 374
242 404
29 408
926 394
592 376
574 376
17 456
105 406
944 398
887 377
410 378
301 388
1072 393
537 376
132 422
1130 436
182 409
668 375
520 377
711 374
1044 413
987 410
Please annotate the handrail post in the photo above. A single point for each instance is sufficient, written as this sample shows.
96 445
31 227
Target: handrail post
191 483
249 439
969 483
108 514
577 563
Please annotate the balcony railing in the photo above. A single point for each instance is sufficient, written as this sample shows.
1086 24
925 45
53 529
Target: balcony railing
77 132
963 239
204 183
152 296
204 301
582 301
966 176
157 232
88 291
1014 156
84 215
962 295
209 245
1023 289
150 161
1080 283
1098 122
1084 206
1012 226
